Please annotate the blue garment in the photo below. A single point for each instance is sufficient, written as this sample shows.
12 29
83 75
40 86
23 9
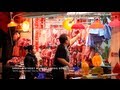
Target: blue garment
93 39
107 33
99 31
93 31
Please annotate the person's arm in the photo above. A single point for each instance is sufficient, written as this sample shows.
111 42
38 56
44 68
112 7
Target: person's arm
64 62
74 39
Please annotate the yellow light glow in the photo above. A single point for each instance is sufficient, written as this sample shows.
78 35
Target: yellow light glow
12 23
25 26
67 24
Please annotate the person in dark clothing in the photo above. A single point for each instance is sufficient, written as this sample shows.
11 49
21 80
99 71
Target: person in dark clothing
61 58
30 63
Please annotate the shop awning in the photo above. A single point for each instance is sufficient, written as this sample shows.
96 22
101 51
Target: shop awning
39 14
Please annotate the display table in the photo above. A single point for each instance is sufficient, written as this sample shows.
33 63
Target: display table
90 76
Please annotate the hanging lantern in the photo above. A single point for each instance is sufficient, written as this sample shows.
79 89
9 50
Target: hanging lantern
78 25
96 24
12 23
19 27
115 22
67 23
25 26
96 60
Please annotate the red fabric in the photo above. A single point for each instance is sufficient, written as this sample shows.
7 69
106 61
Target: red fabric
113 14
78 26
23 53
16 51
117 70
115 23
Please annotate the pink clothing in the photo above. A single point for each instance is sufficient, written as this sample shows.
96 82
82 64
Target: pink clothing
114 48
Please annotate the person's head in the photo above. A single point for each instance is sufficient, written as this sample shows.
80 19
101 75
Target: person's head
16 36
30 49
64 39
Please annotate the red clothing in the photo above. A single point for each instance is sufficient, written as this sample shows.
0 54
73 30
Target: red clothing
16 51
116 69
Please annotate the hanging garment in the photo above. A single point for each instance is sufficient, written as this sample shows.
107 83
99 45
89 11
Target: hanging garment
107 33
98 31
105 50
93 31
108 19
87 37
114 47
101 32
93 39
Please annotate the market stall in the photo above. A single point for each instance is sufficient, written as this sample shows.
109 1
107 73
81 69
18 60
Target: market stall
88 55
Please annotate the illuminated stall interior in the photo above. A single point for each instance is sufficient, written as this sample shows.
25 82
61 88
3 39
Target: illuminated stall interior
44 28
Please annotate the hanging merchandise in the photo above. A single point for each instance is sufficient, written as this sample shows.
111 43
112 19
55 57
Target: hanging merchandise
115 44
43 37
105 50
94 39
36 32
23 42
107 31
96 35
115 22
39 24
78 25
67 23
108 20
97 28
96 24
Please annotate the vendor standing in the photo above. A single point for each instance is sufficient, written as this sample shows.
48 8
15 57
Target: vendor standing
62 56
30 61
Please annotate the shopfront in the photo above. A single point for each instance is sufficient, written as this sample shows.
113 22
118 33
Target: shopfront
90 54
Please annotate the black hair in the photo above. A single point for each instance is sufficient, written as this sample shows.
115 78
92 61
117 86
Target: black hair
63 38
29 48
